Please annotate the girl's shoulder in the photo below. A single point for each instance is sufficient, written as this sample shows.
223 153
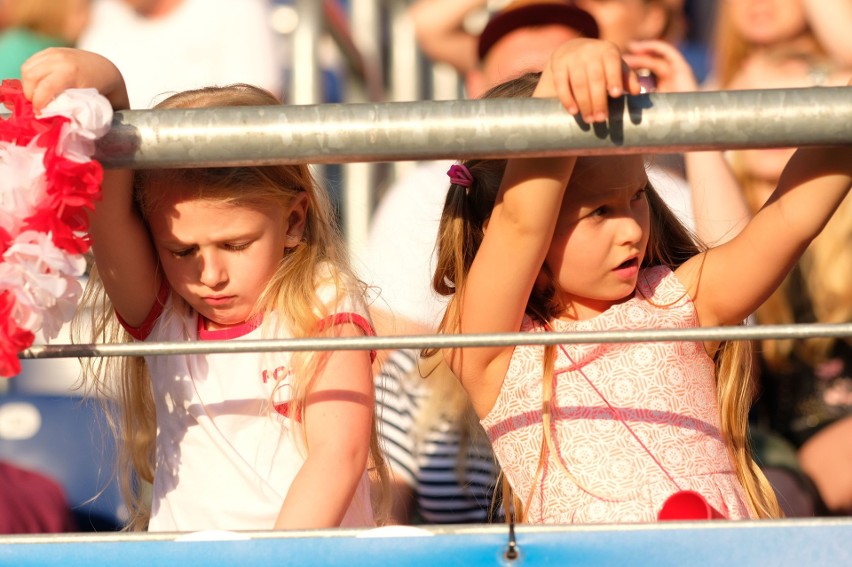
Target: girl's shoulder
339 291
660 284
170 318
341 299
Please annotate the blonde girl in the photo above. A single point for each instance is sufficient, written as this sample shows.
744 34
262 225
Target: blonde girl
605 433
227 441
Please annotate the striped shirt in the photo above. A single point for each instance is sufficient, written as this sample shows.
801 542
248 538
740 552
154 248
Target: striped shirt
428 463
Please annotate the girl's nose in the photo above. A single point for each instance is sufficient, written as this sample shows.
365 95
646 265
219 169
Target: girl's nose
630 230
212 271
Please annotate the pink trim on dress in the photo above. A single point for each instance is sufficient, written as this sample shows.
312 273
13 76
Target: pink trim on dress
349 318
229 333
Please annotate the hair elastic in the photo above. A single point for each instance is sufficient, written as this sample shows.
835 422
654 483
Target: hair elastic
460 175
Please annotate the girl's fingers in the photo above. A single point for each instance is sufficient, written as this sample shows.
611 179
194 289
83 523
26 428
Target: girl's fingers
563 90
45 75
654 64
585 74
580 80
600 78
673 72
633 86
45 90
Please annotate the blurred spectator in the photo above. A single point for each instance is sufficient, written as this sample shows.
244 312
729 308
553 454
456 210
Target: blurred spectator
447 32
34 25
746 29
31 503
4 14
802 420
163 46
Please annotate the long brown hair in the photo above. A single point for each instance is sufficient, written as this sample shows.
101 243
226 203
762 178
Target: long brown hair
460 234
125 384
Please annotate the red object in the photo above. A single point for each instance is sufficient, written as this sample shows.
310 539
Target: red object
531 13
688 505
71 188
32 503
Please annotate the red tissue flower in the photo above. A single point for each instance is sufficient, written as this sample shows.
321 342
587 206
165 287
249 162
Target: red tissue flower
53 201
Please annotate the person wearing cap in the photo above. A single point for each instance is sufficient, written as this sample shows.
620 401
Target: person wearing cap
521 37
450 31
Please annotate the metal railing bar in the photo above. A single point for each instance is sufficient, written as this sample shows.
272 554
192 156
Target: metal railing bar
758 332
455 129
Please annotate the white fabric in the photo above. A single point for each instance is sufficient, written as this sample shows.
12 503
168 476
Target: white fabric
400 255
429 463
89 118
225 459
201 43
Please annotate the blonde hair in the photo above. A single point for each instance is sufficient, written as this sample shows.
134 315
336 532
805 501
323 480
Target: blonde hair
818 284
460 234
124 383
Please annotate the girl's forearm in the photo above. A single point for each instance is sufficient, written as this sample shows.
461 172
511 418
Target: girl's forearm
811 187
322 492
532 192
439 28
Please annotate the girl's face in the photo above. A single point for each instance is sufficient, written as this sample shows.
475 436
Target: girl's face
219 257
601 235
623 21
767 22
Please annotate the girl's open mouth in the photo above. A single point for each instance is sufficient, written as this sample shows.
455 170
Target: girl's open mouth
628 269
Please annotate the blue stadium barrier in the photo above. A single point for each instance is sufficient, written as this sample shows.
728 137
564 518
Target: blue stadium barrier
818 542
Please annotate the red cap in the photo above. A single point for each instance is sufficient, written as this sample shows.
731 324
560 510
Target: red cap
527 13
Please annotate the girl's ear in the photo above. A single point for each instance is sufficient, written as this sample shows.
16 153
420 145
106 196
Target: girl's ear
295 218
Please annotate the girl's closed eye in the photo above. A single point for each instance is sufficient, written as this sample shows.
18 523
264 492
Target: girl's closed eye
183 252
599 212
237 246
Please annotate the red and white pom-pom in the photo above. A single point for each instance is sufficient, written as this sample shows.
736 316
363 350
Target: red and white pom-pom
48 182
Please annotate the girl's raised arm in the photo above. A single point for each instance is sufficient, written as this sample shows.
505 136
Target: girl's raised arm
440 33
582 73
123 252
732 280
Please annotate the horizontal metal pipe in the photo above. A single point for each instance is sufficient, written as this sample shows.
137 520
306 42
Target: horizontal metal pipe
442 341
397 131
